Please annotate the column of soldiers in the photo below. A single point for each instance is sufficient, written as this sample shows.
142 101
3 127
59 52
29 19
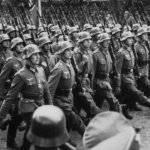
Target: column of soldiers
75 72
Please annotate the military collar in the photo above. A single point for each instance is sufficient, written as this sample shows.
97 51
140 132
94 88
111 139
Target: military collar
34 70
67 64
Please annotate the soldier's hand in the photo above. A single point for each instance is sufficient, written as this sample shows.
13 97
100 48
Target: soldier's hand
117 91
85 58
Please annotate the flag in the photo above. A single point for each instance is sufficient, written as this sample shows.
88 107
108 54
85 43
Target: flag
34 13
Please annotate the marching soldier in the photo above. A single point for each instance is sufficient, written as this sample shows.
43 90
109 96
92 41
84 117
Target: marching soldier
102 65
73 33
11 66
28 39
31 83
142 50
116 39
5 52
87 27
95 31
11 31
47 60
83 59
125 61
60 82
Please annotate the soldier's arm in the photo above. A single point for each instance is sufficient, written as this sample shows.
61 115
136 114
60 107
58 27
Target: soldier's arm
5 72
47 94
54 79
15 88
119 61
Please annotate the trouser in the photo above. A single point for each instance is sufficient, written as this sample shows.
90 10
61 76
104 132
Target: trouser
144 85
106 94
85 101
15 121
134 95
73 120
26 144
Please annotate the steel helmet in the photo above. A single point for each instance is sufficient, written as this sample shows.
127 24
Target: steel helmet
50 25
33 27
118 26
84 36
127 35
136 26
57 33
4 37
42 34
141 31
16 41
1 27
99 25
43 40
27 36
10 29
54 28
115 30
95 31
30 50
48 127
40 29
103 37
27 28
87 26
108 30
148 29
61 38
106 129
126 28
72 30
64 45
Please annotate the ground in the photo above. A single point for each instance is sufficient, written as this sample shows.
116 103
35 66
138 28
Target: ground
141 119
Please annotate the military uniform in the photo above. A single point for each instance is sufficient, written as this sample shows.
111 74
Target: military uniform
4 55
143 59
116 44
47 62
102 70
125 62
85 100
60 82
32 85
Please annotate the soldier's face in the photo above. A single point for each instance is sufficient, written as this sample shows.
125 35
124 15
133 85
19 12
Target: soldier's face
145 37
106 43
29 41
6 44
19 47
87 43
12 34
129 41
67 53
75 34
1 32
117 35
35 59
46 47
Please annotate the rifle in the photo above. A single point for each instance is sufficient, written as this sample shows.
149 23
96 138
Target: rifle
137 72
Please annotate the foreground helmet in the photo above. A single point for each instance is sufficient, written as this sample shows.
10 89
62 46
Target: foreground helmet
106 129
103 37
4 37
30 50
64 45
16 41
10 29
42 34
127 35
43 40
141 31
84 36
48 127
115 30
95 31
